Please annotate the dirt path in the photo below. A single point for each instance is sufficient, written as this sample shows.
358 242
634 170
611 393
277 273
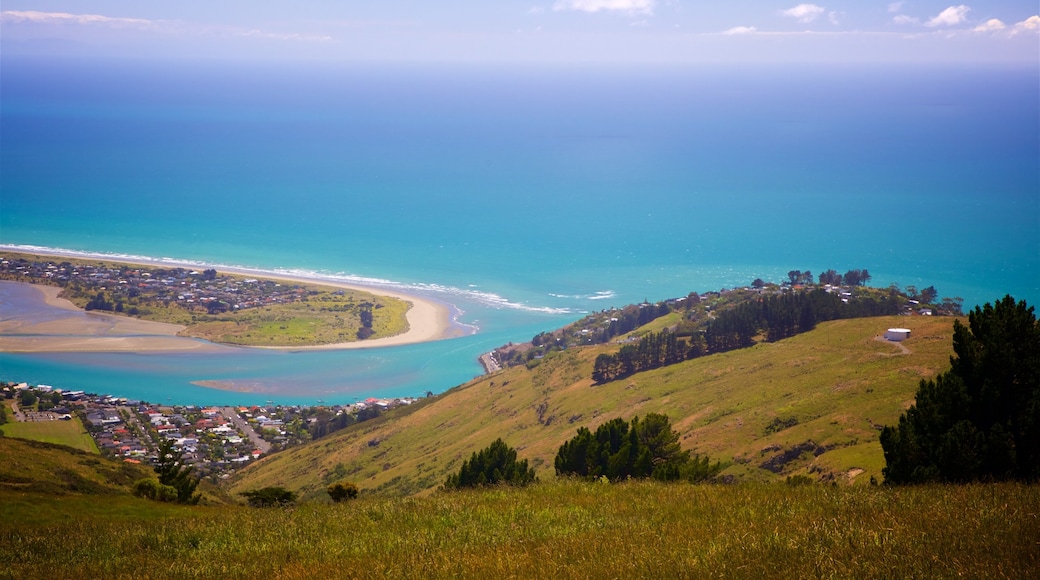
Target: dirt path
899 345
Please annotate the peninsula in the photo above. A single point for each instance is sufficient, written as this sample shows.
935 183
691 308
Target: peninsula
116 304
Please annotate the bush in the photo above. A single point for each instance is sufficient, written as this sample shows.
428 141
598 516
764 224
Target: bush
342 491
269 497
152 489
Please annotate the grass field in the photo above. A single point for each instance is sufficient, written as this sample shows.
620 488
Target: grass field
69 433
551 530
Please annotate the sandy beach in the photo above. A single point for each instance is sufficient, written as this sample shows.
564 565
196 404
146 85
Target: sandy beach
70 329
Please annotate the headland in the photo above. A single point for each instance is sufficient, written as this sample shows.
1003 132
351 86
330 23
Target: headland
66 327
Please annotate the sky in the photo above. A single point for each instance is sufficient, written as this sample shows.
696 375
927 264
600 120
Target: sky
537 31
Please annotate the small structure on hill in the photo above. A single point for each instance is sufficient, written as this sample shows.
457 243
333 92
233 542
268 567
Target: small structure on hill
897 334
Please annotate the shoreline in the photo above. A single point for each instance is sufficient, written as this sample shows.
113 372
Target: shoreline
428 320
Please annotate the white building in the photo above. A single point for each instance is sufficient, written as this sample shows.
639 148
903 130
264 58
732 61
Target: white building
897 334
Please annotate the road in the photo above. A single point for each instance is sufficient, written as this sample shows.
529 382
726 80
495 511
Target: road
231 414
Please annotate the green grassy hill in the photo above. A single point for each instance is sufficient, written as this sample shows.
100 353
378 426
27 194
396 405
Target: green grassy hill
36 466
812 405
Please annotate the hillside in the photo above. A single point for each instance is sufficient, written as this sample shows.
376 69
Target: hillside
36 466
811 404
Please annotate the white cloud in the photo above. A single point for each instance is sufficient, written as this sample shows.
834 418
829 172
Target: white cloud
740 30
33 16
833 17
1031 24
170 27
804 12
903 19
991 25
895 7
952 16
633 6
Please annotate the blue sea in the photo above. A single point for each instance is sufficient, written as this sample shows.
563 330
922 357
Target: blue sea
523 195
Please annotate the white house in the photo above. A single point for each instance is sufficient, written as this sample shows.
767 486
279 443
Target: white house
897 334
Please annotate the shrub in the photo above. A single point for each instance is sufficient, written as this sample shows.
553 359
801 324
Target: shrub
269 497
342 491
152 489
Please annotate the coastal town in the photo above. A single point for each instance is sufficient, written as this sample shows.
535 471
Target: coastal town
127 288
240 308
215 440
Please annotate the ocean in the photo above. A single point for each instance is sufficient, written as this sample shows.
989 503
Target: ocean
523 195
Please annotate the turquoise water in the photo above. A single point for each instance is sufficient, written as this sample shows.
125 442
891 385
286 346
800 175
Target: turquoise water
525 196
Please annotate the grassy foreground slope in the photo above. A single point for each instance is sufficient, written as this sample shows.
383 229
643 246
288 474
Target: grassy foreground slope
551 530
812 405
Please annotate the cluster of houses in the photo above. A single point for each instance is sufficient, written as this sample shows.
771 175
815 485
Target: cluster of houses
130 284
215 440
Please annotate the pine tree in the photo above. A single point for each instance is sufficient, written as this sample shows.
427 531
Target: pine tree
174 473
493 465
981 419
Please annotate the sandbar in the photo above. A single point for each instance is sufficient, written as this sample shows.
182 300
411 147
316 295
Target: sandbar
81 331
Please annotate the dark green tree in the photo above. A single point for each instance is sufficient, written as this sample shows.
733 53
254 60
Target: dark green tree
99 303
493 465
928 295
27 398
981 419
619 450
172 472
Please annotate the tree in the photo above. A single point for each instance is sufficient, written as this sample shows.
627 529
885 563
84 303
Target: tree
269 497
643 449
493 465
981 419
830 277
172 472
928 295
341 491
99 303
27 398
